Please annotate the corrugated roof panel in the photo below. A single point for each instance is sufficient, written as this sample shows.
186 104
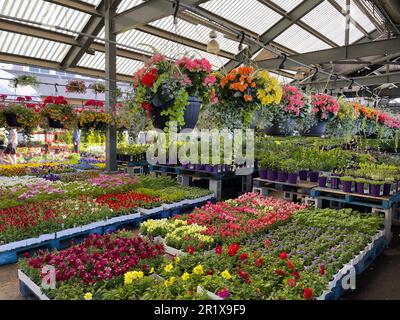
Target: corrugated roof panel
287 5
250 14
281 79
45 12
97 61
328 21
140 40
128 4
198 33
358 15
300 40
93 2
32 47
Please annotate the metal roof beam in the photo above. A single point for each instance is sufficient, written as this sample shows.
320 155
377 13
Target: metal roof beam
78 6
273 6
287 21
53 65
15 27
364 81
92 27
355 51
32 31
147 12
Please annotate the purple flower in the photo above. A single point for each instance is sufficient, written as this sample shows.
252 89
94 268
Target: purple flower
223 293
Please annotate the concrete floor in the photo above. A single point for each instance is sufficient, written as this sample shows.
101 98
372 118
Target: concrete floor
379 282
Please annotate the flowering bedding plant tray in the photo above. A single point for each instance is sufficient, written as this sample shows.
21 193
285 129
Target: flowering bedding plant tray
28 286
370 252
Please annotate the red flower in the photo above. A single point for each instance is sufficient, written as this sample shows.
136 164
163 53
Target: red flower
149 78
290 265
147 106
321 269
259 262
292 282
267 243
244 276
283 256
233 249
243 256
190 249
218 250
280 272
295 274
308 293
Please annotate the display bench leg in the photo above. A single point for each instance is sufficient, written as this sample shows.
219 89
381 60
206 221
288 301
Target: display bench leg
184 180
313 202
247 183
388 221
216 187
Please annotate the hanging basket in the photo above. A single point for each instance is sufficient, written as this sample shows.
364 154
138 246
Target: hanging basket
191 115
55 124
317 131
12 121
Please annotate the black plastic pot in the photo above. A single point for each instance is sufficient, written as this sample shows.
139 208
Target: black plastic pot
11 119
281 129
56 124
317 131
191 115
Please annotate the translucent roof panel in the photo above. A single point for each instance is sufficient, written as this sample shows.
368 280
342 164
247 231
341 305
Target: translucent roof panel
328 21
300 40
358 15
97 61
250 14
198 33
93 2
128 4
45 12
287 5
281 79
135 40
32 47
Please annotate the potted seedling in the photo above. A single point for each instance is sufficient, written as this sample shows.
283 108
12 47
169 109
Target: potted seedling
347 183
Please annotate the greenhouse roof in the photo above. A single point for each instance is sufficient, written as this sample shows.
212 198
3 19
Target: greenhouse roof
69 35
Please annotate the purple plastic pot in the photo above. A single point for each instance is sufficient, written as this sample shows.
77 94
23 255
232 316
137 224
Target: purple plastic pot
263 174
335 182
374 190
347 186
292 178
186 166
386 189
228 168
209 168
303 175
272 175
282 176
197 167
322 182
215 168
360 187
313 176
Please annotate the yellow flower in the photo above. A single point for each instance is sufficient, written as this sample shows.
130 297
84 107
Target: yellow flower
132 275
168 268
128 278
169 282
226 275
177 259
198 269
151 270
185 276
88 296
